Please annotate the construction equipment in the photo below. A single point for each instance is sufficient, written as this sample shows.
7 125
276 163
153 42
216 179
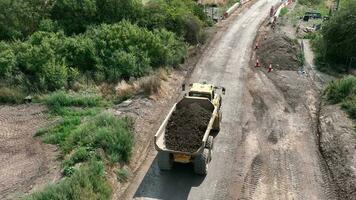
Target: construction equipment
206 96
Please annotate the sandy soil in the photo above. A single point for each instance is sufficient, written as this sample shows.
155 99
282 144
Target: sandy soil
26 164
338 146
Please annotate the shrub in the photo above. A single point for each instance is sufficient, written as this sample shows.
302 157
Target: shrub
343 91
183 17
339 90
350 106
127 50
20 18
150 84
7 59
336 46
74 16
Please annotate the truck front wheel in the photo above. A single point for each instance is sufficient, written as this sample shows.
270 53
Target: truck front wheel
165 161
201 162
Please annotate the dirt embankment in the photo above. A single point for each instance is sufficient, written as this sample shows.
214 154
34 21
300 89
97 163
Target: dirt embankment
186 128
338 146
279 50
26 163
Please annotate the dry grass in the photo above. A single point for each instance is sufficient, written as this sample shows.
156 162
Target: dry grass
147 85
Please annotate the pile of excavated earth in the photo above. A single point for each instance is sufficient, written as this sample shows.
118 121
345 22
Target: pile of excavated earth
280 51
186 128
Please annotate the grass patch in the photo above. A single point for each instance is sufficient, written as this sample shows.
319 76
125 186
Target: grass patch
62 98
122 174
88 182
283 12
87 137
11 95
343 91
104 131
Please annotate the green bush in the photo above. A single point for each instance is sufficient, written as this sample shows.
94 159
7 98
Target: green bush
343 91
336 46
50 61
20 18
339 90
126 50
75 16
7 59
86 183
183 17
350 106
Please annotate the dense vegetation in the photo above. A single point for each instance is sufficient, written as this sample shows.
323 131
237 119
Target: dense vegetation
49 45
343 91
335 46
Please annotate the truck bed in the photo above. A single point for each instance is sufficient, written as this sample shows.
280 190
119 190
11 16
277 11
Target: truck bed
160 135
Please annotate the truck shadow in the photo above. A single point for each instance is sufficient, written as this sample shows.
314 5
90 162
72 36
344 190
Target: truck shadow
168 185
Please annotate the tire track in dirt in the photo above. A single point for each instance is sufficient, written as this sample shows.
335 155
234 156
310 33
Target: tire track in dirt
289 165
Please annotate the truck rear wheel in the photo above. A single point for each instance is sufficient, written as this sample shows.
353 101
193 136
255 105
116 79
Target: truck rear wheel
201 162
165 161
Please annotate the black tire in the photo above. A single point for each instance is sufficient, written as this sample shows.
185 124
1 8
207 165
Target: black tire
201 162
210 142
165 161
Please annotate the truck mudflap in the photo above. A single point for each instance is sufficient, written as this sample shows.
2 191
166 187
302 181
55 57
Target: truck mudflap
182 158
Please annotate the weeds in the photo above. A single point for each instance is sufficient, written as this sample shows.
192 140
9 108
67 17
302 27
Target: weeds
11 95
343 91
284 11
88 182
122 174
339 90
62 98
87 137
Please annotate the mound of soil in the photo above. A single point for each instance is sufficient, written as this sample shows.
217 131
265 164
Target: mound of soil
279 50
186 128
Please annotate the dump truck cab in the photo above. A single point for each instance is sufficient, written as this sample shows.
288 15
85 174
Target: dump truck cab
204 90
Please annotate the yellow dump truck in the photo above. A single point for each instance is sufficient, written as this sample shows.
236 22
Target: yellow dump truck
207 97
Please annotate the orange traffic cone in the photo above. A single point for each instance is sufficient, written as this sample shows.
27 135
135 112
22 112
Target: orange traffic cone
270 69
257 63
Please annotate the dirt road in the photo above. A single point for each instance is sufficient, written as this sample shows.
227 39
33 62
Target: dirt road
26 164
266 148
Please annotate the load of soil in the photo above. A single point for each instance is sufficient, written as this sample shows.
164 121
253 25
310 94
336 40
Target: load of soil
186 128
280 51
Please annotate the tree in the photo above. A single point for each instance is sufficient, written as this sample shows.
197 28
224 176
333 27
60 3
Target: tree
75 16
19 18
339 35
